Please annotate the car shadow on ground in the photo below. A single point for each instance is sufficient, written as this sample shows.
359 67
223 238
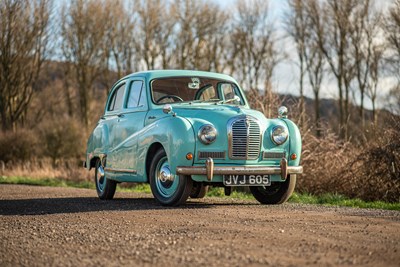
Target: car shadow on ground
43 206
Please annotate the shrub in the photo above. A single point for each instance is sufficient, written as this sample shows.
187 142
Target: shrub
61 139
17 146
323 159
374 174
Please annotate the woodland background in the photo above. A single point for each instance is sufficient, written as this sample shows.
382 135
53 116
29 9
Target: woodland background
59 59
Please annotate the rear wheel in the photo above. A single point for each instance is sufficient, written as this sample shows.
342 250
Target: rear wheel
167 188
105 187
277 193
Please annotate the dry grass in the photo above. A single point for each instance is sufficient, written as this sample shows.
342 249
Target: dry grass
67 170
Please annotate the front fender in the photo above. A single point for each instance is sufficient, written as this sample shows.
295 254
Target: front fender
175 134
294 142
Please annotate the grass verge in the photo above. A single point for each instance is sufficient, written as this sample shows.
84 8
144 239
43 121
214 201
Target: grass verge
326 199
45 182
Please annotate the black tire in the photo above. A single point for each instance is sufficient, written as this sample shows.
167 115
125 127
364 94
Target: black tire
168 192
105 187
199 190
277 193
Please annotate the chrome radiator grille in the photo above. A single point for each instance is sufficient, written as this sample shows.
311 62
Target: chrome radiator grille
244 138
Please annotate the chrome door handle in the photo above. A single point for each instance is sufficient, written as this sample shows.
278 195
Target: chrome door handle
121 115
152 117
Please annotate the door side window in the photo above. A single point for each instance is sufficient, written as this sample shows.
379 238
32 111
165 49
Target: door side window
135 99
117 98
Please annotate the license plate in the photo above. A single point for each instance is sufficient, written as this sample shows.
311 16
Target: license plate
247 180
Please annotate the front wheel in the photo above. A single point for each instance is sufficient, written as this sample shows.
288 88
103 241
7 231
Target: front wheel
199 190
167 188
105 187
277 193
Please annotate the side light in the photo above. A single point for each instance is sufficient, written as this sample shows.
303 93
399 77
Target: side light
189 156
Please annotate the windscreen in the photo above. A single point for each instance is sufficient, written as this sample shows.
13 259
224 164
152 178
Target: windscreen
190 89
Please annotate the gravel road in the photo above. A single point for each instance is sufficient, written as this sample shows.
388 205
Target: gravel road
49 226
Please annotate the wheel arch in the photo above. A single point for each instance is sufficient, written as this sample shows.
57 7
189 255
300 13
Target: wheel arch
92 163
149 157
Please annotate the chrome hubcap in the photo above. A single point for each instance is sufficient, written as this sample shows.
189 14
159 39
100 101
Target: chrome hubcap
100 171
165 174
165 181
100 178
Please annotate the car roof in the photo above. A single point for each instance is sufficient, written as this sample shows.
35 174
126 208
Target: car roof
153 74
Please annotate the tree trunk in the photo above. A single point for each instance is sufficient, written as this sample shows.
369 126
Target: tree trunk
362 110
317 114
341 120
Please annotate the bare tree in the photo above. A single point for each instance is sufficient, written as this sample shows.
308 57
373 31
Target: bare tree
374 72
392 30
120 54
153 40
23 46
393 100
122 39
297 25
335 44
314 57
367 52
255 53
200 31
84 30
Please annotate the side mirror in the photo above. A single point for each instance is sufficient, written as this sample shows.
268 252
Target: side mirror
282 112
167 109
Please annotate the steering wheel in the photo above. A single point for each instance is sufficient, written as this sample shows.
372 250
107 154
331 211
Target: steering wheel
171 97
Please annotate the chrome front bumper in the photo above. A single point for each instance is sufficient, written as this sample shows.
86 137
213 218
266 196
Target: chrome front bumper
209 169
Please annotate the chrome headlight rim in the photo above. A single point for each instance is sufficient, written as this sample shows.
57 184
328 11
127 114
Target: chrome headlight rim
274 135
202 133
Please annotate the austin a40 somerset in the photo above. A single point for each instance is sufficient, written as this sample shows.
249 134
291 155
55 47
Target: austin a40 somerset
183 131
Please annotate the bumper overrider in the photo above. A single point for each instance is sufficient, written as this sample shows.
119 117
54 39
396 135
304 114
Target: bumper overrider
209 169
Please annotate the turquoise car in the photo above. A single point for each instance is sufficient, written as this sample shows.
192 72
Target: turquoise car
183 131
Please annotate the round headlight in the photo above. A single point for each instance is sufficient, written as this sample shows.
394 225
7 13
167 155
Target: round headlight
279 134
207 134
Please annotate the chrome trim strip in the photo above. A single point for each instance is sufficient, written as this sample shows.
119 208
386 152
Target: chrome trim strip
225 170
120 170
211 154
273 155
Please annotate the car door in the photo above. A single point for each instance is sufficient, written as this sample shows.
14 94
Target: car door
111 116
130 121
